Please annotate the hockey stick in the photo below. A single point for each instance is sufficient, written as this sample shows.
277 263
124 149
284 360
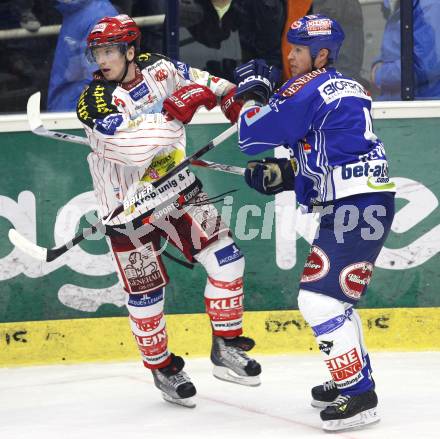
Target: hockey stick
37 127
218 167
48 255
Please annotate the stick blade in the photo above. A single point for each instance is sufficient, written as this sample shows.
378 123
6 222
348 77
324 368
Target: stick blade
26 246
33 111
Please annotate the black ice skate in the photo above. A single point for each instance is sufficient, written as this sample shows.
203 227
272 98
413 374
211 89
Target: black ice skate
175 385
324 395
349 412
231 362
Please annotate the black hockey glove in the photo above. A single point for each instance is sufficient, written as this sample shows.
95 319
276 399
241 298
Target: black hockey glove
271 176
256 80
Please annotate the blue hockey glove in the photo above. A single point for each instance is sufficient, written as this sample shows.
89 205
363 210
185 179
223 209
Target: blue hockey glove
271 176
256 80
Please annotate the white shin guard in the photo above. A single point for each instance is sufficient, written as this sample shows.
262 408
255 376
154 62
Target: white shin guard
338 338
358 324
224 264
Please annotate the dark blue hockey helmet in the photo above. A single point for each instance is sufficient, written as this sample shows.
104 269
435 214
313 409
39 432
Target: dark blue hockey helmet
318 32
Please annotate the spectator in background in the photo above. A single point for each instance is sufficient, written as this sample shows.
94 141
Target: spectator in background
23 70
152 36
71 71
259 25
386 71
190 12
349 14
23 10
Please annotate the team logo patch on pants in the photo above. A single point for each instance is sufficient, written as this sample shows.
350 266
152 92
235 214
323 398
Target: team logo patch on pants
317 265
141 269
355 278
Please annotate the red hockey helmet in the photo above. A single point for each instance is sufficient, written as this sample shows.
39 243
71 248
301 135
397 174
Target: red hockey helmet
114 30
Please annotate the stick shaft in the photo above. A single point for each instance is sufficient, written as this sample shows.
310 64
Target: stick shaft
218 167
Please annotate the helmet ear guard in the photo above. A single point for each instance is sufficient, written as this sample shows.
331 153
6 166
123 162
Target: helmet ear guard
317 32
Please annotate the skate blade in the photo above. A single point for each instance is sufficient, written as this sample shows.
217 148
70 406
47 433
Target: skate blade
358 421
184 402
225 374
320 404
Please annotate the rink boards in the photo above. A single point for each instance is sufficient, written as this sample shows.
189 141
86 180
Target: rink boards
275 332
74 308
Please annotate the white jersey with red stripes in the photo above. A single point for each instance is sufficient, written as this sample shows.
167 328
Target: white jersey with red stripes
132 142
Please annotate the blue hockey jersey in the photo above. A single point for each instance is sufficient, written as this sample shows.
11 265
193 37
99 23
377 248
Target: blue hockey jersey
324 119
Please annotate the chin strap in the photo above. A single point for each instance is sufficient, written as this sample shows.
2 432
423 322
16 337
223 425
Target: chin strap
127 63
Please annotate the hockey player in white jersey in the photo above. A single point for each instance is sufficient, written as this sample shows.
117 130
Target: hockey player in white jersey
338 169
134 114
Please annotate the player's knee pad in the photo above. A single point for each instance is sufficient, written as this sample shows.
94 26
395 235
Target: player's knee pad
338 341
222 259
318 308
147 323
224 264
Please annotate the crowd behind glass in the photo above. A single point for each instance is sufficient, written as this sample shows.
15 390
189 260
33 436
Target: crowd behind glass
216 35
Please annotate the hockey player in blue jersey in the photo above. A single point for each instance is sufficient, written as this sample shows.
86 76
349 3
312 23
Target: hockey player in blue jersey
338 169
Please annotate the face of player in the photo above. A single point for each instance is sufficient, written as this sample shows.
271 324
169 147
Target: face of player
112 62
300 60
